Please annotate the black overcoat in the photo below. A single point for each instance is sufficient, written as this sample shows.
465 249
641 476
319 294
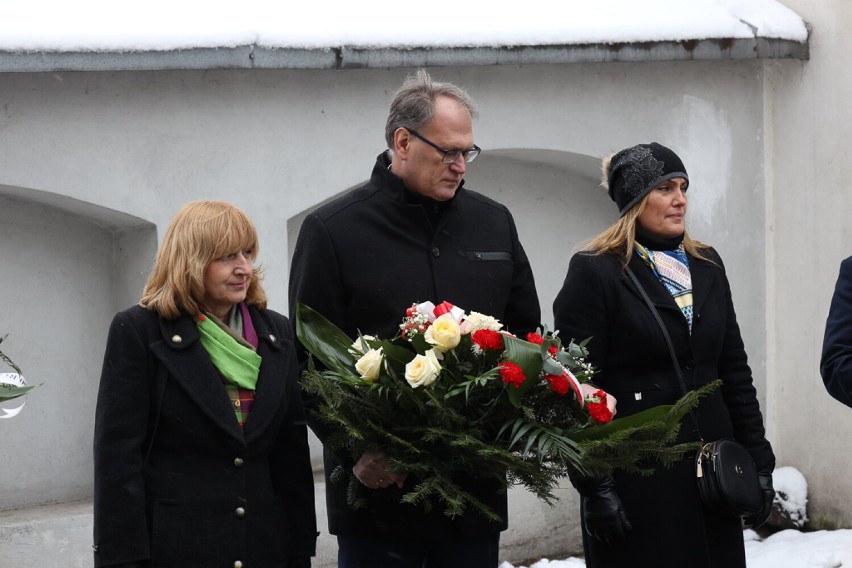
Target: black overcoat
836 360
671 527
177 481
364 258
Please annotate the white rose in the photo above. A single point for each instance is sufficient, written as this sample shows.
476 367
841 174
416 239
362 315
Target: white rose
423 369
444 333
370 364
357 346
475 321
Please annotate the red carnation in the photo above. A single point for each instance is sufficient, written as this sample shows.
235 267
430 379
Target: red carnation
553 350
488 340
512 374
598 410
535 338
558 384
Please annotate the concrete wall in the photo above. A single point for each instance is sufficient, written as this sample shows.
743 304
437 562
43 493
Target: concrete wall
809 204
58 292
137 145
59 536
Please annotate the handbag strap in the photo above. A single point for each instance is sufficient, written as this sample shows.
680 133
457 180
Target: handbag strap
668 339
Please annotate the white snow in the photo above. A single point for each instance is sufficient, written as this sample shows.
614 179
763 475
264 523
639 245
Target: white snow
159 25
786 549
791 493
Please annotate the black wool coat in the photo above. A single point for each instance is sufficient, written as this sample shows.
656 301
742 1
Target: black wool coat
364 258
177 481
671 527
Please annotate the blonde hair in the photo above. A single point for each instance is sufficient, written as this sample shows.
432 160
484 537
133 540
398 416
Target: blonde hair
620 238
199 233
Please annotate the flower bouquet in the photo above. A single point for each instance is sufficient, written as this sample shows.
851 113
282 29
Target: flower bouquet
12 385
453 392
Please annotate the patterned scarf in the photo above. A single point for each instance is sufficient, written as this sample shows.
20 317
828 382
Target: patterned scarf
671 267
234 357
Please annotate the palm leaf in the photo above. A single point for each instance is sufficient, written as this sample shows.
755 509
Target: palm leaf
528 357
669 415
323 339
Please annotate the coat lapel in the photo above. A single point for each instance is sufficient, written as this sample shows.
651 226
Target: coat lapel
181 352
272 381
703 275
660 297
703 281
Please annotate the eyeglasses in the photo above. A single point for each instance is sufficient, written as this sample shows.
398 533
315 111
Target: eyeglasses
450 156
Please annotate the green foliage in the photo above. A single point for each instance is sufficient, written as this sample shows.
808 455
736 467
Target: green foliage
470 421
6 359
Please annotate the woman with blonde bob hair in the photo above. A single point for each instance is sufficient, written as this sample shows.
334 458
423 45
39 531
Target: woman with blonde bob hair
201 452
660 520
200 232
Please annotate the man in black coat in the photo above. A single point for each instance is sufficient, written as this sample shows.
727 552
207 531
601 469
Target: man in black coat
413 233
836 363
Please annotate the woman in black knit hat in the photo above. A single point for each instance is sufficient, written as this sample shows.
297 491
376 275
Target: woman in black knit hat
659 520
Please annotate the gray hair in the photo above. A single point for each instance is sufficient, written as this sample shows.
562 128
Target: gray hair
413 105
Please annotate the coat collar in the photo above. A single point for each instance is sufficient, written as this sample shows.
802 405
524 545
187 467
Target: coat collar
181 352
390 184
703 281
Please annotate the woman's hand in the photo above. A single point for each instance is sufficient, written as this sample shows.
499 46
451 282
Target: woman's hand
765 480
603 514
371 470
587 390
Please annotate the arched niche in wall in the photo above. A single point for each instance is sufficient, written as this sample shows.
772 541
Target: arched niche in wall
67 267
557 202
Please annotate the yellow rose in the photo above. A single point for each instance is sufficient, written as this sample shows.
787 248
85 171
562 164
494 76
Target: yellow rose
423 369
370 364
444 333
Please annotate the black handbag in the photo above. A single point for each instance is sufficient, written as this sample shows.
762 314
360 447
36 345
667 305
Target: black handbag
727 479
724 469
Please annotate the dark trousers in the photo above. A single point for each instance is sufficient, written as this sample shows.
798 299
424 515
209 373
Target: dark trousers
446 552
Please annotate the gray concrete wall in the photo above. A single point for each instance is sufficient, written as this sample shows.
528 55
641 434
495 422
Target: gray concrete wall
129 148
809 204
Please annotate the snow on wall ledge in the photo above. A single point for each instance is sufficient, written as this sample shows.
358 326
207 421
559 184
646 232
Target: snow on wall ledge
194 34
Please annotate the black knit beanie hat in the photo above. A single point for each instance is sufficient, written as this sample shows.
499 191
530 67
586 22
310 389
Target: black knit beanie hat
635 171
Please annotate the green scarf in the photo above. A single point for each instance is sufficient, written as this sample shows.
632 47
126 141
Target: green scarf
235 359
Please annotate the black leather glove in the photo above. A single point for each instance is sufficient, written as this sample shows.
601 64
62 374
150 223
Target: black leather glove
299 562
758 519
603 514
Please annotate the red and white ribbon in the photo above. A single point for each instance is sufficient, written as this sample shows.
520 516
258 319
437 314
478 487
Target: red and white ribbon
432 312
575 386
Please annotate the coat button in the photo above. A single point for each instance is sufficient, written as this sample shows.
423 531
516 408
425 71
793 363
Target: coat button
177 339
238 564
240 513
436 252
272 338
690 365
238 462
